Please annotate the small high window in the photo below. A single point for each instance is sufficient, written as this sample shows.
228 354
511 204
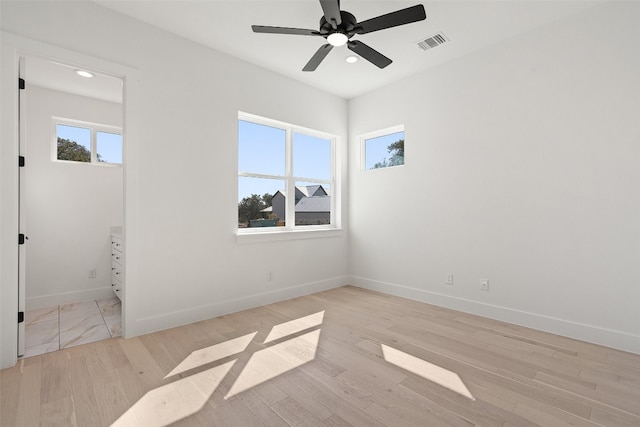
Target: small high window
74 143
109 147
85 142
383 149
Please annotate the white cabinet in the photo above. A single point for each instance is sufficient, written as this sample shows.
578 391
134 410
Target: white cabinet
117 264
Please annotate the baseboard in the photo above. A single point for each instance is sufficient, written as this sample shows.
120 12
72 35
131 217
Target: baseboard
44 301
208 311
583 332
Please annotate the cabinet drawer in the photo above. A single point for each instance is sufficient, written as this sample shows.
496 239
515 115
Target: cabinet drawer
116 286
116 272
117 257
116 244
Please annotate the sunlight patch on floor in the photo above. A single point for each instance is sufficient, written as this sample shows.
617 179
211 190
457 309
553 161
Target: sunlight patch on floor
426 370
213 354
276 360
172 402
295 326
186 396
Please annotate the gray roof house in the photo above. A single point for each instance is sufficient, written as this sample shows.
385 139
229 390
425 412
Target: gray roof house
313 205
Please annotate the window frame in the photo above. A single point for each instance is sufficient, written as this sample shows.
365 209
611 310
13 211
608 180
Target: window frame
376 134
94 129
290 228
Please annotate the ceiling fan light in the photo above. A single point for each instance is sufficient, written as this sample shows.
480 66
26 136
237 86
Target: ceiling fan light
337 39
351 59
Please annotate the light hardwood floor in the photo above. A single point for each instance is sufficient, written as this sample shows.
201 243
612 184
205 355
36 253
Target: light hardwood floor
342 357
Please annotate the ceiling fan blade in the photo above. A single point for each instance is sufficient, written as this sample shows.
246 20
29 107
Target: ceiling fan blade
331 9
284 30
393 19
368 53
317 57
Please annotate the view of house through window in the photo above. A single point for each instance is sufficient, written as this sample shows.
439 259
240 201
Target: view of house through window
88 143
384 148
276 159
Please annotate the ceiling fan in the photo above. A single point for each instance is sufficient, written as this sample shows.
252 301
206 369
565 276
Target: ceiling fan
339 26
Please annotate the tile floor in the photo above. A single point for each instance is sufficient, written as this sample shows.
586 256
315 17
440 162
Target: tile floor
68 325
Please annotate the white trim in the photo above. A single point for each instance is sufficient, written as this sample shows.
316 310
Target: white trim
94 128
233 305
375 134
276 234
9 151
13 47
52 300
290 180
283 125
589 333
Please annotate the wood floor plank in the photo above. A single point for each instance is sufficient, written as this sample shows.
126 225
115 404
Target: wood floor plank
611 417
56 382
112 401
20 392
370 360
546 416
295 414
85 405
259 400
475 410
386 417
59 412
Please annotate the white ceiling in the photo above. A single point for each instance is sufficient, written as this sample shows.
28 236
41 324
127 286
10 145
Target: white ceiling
470 25
62 77
226 26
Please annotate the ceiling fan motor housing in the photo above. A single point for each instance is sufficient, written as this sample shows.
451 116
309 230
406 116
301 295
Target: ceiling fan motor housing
346 27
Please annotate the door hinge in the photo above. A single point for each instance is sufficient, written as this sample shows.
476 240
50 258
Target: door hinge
21 239
20 316
21 161
21 83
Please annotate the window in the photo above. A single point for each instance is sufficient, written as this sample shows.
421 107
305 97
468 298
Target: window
109 147
383 149
276 160
84 142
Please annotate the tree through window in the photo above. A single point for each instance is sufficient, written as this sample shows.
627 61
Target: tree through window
383 148
87 142
276 160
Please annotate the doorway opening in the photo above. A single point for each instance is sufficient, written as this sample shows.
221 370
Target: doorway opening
71 205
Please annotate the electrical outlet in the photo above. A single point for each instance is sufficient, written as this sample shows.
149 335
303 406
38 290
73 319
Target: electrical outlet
92 273
484 285
449 279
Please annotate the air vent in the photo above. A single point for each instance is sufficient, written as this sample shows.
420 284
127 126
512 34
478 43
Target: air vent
433 41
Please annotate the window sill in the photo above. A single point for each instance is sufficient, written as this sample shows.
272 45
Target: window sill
243 236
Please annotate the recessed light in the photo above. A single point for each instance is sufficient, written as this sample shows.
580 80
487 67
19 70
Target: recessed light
84 73
337 39
351 59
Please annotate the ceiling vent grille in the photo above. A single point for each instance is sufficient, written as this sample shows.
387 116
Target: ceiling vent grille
433 41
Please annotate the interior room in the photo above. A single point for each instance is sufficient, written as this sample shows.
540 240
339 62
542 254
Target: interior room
489 278
71 204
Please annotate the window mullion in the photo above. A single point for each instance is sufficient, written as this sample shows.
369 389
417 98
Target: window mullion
94 146
314 215
332 177
262 175
291 185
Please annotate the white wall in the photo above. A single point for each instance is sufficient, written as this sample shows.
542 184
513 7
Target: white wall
521 167
70 207
181 169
